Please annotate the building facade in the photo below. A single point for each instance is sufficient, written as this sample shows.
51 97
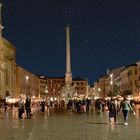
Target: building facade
55 84
129 80
138 82
27 84
7 69
120 81
81 86
43 90
7 66
101 89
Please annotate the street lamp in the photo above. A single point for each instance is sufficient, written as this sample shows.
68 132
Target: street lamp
87 94
27 84
46 91
99 90
111 82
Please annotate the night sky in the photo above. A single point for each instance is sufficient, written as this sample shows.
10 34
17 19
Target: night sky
105 34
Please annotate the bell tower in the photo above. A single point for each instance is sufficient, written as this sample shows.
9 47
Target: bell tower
1 27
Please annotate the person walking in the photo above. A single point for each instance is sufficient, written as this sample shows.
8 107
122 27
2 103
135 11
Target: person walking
5 106
112 107
126 107
48 104
43 106
70 107
28 108
20 109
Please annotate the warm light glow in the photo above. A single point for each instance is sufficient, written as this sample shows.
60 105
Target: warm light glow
75 94
12 100
99 89
27 78
111 75
111 81
46 91
33 97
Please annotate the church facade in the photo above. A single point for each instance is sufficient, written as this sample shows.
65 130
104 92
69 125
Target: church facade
7 65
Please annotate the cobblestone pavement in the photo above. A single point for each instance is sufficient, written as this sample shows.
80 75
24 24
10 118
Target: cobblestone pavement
61 126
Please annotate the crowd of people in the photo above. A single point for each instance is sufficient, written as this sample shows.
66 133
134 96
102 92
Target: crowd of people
113 106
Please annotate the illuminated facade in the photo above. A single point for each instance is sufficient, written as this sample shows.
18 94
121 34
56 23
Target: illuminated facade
81 86
102 86
113 81
7 66
138 82
120 81
43 90
129 80
55 84
27 83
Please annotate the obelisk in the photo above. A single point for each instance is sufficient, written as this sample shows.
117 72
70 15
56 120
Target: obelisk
68 90
68 74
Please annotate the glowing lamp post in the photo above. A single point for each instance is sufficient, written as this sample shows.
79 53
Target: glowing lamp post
111 83
46 90
99 90
27 84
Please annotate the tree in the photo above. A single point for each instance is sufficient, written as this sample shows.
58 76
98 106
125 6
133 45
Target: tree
116 90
